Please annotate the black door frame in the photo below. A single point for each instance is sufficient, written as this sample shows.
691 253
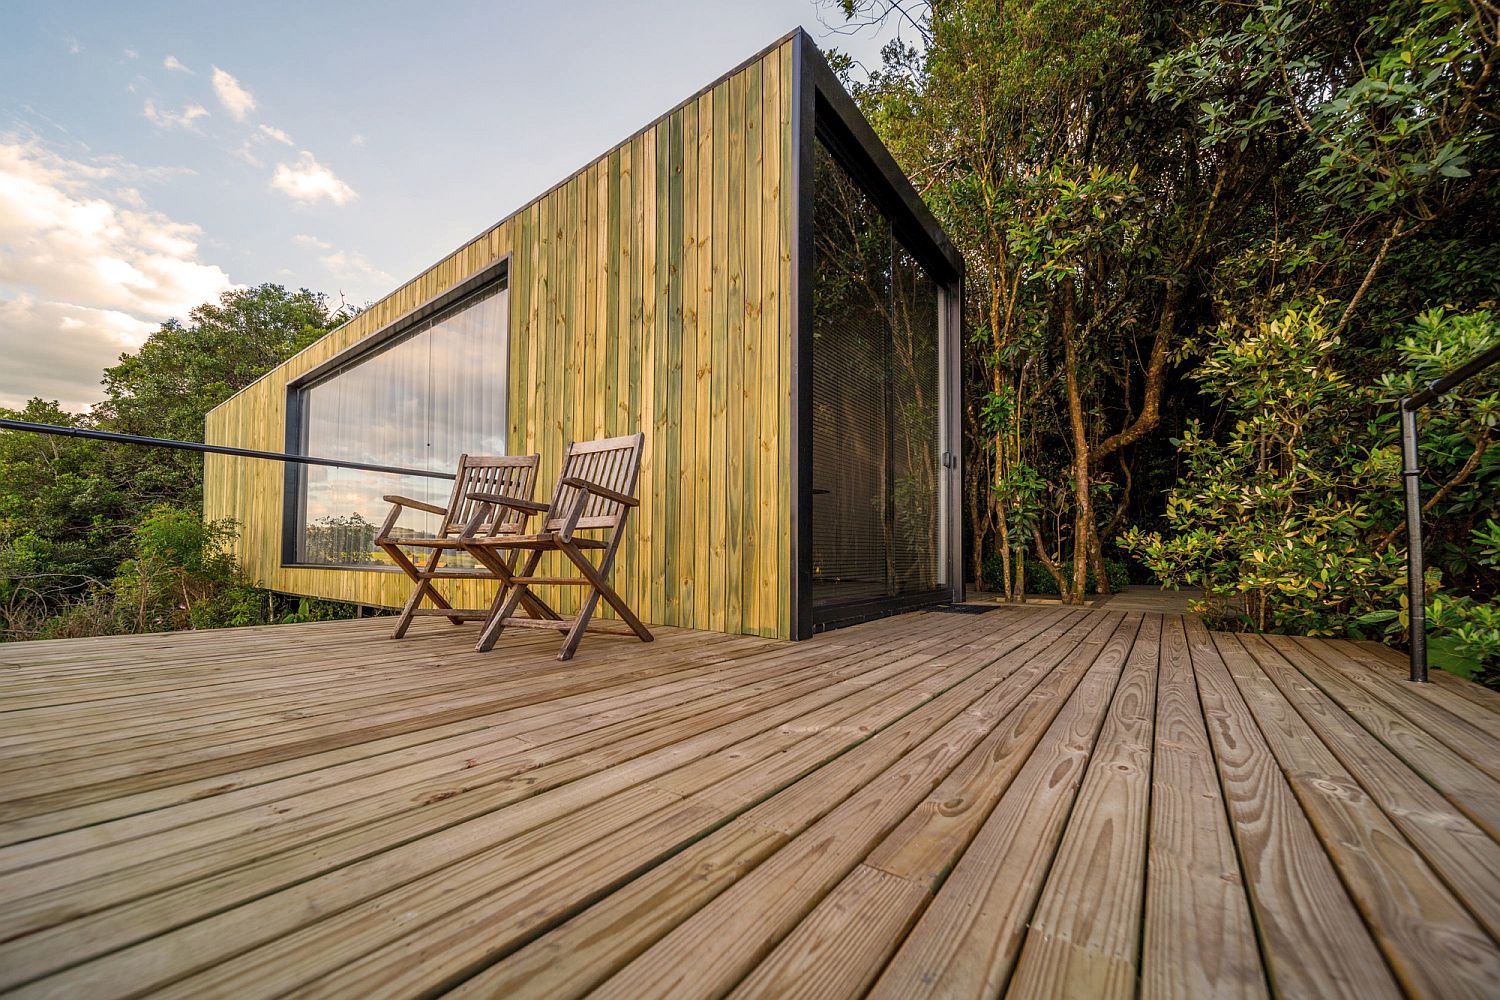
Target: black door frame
822 109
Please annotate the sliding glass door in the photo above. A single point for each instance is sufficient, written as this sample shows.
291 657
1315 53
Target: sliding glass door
876 464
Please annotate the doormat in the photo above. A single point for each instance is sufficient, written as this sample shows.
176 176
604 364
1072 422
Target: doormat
965 609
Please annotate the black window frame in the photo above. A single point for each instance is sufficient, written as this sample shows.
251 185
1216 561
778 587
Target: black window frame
493 278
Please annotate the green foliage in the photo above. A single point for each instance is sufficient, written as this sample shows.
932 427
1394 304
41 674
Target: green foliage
313 609
98 537
341 539
177 561
1040 583
183 370
1289 520
1214 244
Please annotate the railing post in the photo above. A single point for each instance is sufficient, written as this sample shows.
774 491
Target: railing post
1416 584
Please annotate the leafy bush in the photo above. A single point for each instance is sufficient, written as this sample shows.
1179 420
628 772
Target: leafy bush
1292 521
178 560
178 574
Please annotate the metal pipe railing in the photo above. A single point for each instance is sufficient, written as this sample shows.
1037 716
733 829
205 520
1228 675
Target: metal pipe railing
1411 474
213 449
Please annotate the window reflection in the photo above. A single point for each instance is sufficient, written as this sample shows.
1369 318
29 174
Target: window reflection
876 483
419 402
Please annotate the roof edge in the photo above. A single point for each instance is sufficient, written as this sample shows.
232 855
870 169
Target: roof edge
521 209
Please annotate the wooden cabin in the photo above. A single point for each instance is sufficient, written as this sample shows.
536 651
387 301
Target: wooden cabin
750 280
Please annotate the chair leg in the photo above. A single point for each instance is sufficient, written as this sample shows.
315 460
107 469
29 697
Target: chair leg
421 577
602 588
495 624
504 588
409 610
504 569
580 625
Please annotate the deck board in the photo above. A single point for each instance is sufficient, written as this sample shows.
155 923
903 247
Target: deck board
1031 802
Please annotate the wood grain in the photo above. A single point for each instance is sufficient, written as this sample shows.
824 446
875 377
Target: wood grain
647 291
1029 802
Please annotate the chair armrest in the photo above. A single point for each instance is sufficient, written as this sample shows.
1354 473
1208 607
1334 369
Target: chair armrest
418 504
514 503
600 491
523 508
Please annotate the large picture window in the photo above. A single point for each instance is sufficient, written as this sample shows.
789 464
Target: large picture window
876 462
419 400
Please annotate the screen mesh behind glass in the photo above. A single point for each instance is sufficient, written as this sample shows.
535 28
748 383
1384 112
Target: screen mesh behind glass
876 483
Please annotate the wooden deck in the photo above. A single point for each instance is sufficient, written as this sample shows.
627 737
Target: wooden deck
1027 802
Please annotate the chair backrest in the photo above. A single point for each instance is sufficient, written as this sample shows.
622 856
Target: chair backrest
613 463
506 475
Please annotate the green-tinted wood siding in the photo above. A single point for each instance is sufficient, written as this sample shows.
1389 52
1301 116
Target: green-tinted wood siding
647 291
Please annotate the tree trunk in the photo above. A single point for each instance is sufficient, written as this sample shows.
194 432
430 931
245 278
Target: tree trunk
1084 529
1096 559
1052 568
1156 376
1020 588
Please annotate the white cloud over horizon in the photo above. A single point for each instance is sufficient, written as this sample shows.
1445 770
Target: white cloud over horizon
352 265
309 181
87 270
174 119
235 98
175 65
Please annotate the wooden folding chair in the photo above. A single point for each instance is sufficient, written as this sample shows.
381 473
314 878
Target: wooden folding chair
506 476
594 493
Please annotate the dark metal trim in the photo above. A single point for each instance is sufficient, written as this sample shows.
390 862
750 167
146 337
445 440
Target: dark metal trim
834 616
953 445
492 278
1411 484
804 123
495 273
1416 583
293 506
1450 381
841 124
825 112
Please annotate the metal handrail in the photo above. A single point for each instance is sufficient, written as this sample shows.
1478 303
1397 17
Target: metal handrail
214 449
1411 474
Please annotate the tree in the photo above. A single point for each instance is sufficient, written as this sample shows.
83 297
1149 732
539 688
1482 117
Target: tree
1122 177
73 512
183 370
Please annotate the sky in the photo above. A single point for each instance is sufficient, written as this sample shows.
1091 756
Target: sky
156 154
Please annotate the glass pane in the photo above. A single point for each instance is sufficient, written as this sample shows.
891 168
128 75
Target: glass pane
419 403
875 402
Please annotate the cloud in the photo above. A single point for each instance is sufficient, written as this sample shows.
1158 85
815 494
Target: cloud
235 98
174 119
310 181
343 264
71 44
175 65
132 54
87 270
357 139
57 350
272 132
